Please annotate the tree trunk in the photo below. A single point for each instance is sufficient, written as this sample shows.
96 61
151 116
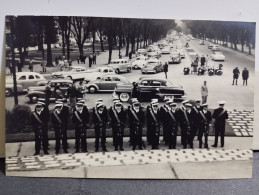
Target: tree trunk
110 40
137 43
49 55
249 49
127 46
242 48
63 43
81 49
21 55
101 40
68 49
93 44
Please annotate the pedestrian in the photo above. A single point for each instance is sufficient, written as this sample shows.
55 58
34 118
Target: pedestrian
100 120
204 125
130 55
153 123
56 60
245 75
94 58
136 123
235 75
90 60
71 95
43 65
220 115
172 118
80 90
11 68
203 60
204 92
59 118
48 93
165 68
19 66
80 119
135 90
118 119
31 65
39 121
57 92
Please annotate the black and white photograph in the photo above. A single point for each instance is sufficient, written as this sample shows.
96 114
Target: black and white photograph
130 98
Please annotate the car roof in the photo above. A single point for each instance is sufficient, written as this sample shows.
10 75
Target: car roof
61 80
119 60
152 79
77 67
27 73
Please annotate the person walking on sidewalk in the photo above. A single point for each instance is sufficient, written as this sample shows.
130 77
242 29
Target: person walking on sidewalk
220 115
235 75
204 92
245 75
165 68
31 66
94 58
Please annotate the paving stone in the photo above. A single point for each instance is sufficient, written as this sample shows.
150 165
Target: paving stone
13 168
11 161
33 167
52 165
68 161
27 160
46 159
236 127
31 163
12 165
75 164
50 162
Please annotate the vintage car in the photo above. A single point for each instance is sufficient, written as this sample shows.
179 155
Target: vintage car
152 66
141 52
210 46
150 88
120 65
24 80
218 56
106 83
175 58
165 50
153 53
34 93
97 72
201 42
215 48
71 72
139 62
181 51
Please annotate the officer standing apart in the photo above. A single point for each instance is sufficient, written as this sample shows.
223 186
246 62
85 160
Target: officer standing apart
153 123
100 119
204 92
39 122
245 75
136 120
165 69
118 119
220 115
59 118
172 118
205 120
235 75
80 119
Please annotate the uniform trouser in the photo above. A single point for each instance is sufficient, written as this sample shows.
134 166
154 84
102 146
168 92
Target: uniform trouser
100 133
244 81
149 134
41 138
165 132
234 79
202 131
187 136
118 137
195 129
204 99
219 131
154 134
172 135
137 137
80 135
131 134
61 132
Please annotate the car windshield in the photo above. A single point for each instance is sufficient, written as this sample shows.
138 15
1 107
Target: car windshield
152 63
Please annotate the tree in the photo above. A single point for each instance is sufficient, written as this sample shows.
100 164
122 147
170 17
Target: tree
65 27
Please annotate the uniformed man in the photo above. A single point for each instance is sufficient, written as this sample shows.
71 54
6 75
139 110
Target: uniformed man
164 110
204 125
118 120
59 118
136 121
181 122
149 137
187 126
220 115
153 123
172 118
196 112
39 122
80 119
100 119
131 126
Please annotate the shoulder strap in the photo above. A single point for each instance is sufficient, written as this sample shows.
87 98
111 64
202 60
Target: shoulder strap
203 116
37 117
153 115
98 116
172 116
134 114
196 110
78 117
186 117
223 111
57 117
116 115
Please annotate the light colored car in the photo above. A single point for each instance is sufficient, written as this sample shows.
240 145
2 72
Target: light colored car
120 65
215 48
139 62
210 46
24 80
97 72
141 51
71 72
201 42
152 66
175 57
181 51
165 50
218 56
106 83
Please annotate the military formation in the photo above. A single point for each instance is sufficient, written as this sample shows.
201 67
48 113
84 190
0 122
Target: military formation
187 121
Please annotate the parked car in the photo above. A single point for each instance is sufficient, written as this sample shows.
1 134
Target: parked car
215 48
175 58
24 80
150 88
71 72
106 83
34 93
103 69
201 42
153 53
165 50
218 55
139 62
152 66
210 46
141 51
120 65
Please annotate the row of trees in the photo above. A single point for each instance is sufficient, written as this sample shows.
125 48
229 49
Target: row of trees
224 32
39 30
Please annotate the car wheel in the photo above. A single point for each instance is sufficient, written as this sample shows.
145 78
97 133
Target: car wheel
155 71
8 92
69 77
34 99
92 89
117 71
124 97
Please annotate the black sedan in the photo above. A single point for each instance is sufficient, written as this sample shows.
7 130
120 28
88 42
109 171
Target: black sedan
150 88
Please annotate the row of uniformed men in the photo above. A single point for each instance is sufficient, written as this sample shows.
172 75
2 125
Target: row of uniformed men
190 119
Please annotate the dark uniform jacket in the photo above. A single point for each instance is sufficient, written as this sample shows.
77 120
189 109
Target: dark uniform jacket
43 116
132 119
84 116
63 116
207 116
121 117
172 122
220 121
103 116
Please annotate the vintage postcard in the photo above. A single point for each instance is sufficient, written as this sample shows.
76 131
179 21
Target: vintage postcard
93 97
